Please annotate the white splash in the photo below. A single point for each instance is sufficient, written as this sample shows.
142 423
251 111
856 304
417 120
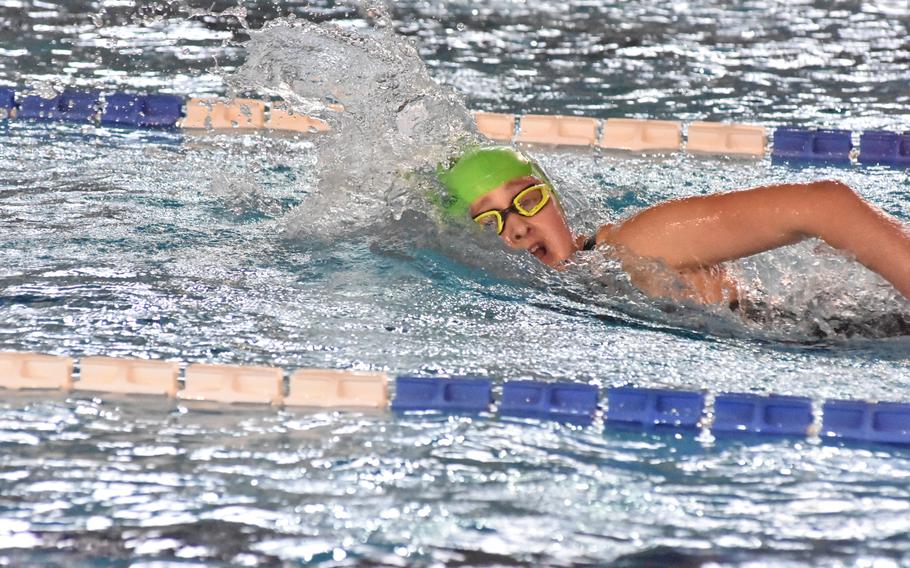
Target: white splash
391 123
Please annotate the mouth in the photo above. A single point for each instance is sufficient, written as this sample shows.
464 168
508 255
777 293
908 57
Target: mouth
539 250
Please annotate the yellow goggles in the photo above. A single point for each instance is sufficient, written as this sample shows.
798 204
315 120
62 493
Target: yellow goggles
527 203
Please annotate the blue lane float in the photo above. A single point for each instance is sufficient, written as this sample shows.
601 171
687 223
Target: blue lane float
811 145
142 111
465 394
69 106
654 408
736 413
883 147
856 420
574 403
7 100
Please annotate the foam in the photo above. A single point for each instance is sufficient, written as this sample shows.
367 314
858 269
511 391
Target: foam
719 138
128 376
68 106
329 388
640 135
35 371
446 394
283 118
561 401
496 126
812 145
747 412
142 111
218 114
557 130
233 384
884 147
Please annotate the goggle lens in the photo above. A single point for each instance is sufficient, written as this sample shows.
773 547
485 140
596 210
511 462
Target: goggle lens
490 221
530 201
527 203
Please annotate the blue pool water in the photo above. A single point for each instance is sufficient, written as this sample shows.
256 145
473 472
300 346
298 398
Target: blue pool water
218 248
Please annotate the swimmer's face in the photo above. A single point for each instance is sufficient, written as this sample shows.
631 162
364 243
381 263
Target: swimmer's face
546 235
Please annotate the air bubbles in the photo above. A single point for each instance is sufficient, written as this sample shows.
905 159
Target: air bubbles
393 126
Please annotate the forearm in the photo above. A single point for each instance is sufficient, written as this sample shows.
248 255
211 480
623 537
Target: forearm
706 231
873 238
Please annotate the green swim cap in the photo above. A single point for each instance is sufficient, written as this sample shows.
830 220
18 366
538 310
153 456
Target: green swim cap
478 171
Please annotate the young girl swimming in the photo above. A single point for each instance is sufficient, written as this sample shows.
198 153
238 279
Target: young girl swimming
677 249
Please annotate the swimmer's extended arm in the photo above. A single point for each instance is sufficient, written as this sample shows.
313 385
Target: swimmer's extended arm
705 231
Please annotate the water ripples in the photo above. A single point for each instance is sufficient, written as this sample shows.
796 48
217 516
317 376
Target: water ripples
189 247
159 481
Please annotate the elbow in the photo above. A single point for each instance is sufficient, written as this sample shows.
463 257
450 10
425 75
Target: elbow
832 203
834 196
832 189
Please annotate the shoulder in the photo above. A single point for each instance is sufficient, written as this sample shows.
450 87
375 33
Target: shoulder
605 234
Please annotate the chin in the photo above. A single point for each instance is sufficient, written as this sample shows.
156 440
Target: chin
556 261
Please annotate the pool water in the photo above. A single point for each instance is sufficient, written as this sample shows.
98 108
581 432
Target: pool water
229 248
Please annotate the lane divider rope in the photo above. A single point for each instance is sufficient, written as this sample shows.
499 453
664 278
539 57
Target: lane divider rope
789 144
577 403
580 404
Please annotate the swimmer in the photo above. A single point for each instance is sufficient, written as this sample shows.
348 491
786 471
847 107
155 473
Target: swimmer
676 249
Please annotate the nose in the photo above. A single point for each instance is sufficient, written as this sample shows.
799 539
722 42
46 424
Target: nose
515 231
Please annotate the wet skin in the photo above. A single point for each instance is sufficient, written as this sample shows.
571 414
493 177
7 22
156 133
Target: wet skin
548 237
677 248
